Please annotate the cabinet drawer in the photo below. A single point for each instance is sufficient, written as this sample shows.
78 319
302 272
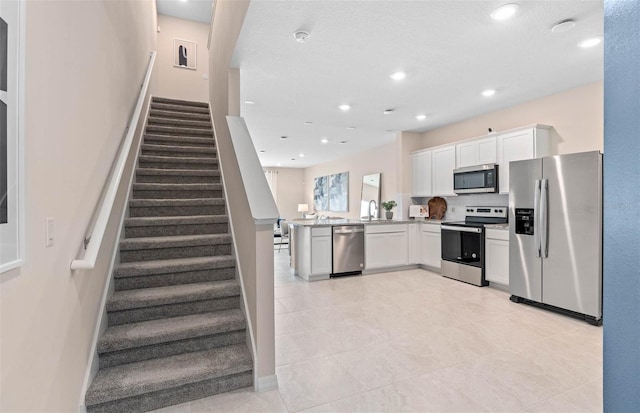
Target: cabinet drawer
321 232
380 229
500 234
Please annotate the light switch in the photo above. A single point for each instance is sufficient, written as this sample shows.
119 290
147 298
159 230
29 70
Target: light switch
205 76
49 232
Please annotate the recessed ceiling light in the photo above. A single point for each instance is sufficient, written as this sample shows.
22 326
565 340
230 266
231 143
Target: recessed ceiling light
343 142
592 41
293 159
421 117
563 26
308 123
344 107
398 75
262 151
249 102
351 127
504 12
301 155
184 1
488 92
388 111
279 164
324 140
301 36
283 137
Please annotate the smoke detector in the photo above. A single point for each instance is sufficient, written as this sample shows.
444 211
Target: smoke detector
301 36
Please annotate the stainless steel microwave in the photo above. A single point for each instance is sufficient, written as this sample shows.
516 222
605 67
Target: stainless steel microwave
476 179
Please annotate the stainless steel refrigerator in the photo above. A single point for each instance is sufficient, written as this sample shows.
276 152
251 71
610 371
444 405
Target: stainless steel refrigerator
555 233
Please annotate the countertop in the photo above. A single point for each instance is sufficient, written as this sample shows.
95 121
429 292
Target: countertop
332 222
504 227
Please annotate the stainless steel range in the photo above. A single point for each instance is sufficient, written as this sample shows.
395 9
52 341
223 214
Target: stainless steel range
463 244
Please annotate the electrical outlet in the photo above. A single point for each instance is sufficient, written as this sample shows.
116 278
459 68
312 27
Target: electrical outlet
49 232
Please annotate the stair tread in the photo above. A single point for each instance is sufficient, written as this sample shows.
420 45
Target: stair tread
135 269
179 159
179 115
179 220
179 108
176 202
177 172
192 123
161 186
133 379
145 333
180 293
129 244
180 129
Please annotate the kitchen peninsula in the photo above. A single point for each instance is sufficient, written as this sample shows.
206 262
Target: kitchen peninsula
389 245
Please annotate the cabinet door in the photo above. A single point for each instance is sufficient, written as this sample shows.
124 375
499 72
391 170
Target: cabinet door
497 261
486 150
514 146
321 255
466 154
374 250
443 164
397 251
421 173
431 249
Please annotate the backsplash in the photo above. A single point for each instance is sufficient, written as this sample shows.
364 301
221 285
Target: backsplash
456 204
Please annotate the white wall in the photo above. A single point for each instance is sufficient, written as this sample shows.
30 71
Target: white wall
364 163
290 191
177 82
80 93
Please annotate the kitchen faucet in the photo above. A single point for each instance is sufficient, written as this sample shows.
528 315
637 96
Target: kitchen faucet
375 206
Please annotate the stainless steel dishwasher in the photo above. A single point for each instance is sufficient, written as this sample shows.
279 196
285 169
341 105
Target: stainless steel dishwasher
348 249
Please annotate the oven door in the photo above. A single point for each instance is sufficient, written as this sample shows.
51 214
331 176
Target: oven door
463 245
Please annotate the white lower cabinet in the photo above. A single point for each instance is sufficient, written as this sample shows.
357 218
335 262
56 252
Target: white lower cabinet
497 256
386 246
321 251
430 246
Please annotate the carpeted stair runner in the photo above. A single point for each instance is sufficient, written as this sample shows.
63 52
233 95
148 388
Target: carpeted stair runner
175 330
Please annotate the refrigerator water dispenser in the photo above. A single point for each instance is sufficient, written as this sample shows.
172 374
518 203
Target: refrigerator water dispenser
524 221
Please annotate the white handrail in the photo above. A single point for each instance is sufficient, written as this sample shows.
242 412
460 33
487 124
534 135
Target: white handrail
95 239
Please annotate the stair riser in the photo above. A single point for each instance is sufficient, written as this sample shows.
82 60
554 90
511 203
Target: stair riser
174 211
168 230
177 179
168 130
188 152
172 310
176 252
177 395
180 115
179 108
179 123
154 194
180 102
201 166
163 280
171 348
176 141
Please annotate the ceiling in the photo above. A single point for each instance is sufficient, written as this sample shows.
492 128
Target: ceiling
195 10
450 50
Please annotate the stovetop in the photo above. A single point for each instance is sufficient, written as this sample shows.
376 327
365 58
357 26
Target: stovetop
479 216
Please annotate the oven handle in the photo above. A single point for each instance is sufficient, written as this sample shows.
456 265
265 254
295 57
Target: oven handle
462 229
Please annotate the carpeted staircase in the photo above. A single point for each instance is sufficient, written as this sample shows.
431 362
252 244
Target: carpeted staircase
175 330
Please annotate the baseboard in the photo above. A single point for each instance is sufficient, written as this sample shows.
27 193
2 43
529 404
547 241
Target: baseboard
390 269
266 383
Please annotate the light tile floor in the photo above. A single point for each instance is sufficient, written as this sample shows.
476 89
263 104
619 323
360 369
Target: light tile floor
415 341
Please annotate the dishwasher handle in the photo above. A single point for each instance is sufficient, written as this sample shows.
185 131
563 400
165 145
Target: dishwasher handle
348 231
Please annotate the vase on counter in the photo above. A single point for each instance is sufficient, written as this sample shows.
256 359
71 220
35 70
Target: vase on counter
389 214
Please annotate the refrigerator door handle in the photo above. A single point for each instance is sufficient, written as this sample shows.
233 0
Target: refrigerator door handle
536 220
544 217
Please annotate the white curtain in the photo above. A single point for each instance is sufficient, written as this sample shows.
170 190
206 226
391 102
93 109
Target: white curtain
272 180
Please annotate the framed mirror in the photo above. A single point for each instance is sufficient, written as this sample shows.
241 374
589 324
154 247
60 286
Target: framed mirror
370 192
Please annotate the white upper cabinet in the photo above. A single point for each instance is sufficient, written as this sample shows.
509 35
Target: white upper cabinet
476 152
519 145
443 164
421 166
